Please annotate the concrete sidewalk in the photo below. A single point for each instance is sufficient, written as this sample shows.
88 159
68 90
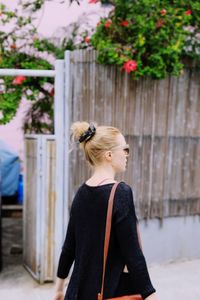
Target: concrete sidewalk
174 281
177 281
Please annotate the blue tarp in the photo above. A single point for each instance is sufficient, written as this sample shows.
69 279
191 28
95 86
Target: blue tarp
9 170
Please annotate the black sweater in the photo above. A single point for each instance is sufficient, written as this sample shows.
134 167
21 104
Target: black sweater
84 244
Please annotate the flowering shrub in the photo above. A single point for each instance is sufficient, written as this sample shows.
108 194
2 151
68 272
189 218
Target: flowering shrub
149 37
23 48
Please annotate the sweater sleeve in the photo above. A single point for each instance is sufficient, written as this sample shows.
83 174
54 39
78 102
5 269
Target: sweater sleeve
68 250
125 227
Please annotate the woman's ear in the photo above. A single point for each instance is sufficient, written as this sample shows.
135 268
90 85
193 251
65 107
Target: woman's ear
108 155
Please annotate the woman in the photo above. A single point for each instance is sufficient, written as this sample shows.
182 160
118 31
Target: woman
106 150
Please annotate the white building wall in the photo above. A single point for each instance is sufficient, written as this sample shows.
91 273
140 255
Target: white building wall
178 238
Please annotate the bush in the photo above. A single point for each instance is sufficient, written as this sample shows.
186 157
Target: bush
149 37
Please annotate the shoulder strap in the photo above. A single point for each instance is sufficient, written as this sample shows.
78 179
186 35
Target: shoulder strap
107 235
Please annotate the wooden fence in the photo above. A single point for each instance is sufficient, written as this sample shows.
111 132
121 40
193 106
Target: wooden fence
160 120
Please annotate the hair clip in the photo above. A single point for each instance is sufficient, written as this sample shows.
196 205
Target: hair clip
86 136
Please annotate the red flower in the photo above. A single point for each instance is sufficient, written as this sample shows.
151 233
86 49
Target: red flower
124 23
87 39
52 92
163 12
160 23
108 23
93 1
130 65
18 80
188 12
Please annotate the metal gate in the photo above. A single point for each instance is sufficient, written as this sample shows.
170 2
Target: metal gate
45 208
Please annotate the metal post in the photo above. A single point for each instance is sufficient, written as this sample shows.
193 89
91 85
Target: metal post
67 122
29 73
40 200
59 134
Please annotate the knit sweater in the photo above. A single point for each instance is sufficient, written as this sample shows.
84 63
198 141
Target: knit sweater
84 244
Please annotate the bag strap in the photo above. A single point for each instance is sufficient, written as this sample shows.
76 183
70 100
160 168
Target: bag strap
107 235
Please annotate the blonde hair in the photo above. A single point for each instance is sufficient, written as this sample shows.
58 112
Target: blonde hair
103 140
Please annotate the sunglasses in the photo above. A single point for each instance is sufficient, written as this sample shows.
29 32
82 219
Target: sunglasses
124 148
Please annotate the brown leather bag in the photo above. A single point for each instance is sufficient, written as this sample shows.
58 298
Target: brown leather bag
106 245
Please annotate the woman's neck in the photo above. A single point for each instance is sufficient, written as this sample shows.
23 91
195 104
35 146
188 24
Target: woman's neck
105 174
